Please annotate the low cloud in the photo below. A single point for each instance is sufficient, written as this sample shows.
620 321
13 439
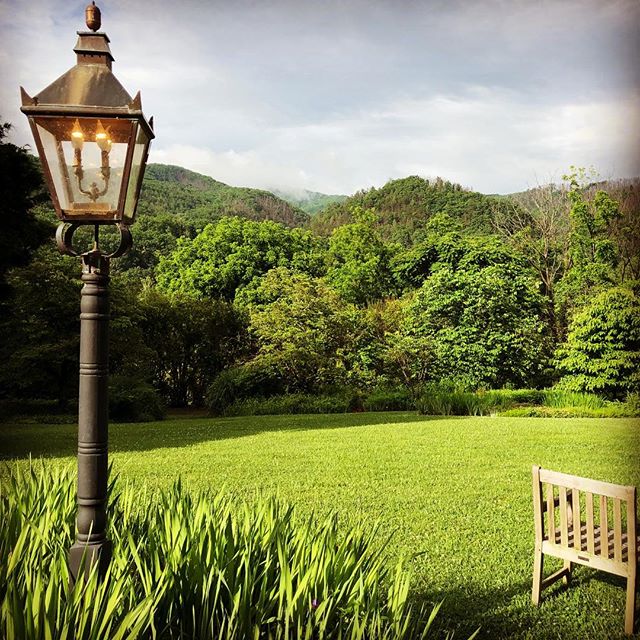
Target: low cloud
337 96
486 140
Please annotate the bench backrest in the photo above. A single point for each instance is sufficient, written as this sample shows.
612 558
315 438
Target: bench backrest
588 516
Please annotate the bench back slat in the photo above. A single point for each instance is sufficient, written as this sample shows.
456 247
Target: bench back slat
575 507
551 513
564 525
584 484
617 530
590 524
568 520
632 533
604 528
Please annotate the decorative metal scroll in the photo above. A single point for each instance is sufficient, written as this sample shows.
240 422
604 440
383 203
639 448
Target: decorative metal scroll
64 239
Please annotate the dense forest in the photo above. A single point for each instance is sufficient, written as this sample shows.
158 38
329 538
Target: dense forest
232 295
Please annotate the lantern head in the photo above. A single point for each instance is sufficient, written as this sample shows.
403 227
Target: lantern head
91 135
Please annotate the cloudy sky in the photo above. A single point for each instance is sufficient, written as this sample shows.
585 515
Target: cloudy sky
339 95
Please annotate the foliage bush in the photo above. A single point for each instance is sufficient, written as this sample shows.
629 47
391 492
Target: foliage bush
389 400
438 400
602 351
611 410
133 400
480 309
501 399
445 399
560 398
295 403
193 566
238 384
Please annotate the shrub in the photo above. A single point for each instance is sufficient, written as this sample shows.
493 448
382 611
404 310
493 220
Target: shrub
560 398
132 400
633 402
440 401
602 352
610 410
296 403
238 384
501 399
389 400
193 566
444 399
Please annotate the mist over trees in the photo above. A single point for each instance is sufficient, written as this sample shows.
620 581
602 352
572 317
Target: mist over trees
234 293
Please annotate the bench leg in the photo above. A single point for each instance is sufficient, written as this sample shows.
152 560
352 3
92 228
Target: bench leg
538 563
630 611
567 577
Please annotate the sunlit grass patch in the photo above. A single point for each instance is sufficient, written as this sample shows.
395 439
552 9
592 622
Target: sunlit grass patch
454 494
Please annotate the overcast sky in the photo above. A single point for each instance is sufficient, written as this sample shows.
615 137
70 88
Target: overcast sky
335 96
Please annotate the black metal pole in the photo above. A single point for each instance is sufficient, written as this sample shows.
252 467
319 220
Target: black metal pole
91 546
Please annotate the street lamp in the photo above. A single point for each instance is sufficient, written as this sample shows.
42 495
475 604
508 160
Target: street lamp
93 141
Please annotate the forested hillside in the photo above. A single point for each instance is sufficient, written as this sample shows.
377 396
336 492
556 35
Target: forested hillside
310 201
176 202
201 199
233 296
404 206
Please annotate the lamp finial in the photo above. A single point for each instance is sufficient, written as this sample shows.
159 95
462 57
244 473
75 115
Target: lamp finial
92 16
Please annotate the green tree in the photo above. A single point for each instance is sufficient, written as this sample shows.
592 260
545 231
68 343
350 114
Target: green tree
593 254
21 188
153 236
479 314
537 224
305 333
229 254
602 352
359 260
192 340
40 360
40 325
386 353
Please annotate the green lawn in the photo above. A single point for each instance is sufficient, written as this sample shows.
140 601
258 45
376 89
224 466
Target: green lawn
456 493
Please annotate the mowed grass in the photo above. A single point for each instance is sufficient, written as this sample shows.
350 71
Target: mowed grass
455 493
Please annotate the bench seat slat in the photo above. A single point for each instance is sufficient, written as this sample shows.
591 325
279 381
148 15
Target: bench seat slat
597 541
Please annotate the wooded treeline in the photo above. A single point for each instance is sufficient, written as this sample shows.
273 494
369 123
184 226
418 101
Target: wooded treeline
234 293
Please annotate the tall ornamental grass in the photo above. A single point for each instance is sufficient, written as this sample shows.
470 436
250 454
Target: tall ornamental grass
445 401
193 566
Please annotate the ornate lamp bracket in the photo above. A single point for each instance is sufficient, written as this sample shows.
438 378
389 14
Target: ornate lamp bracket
64 240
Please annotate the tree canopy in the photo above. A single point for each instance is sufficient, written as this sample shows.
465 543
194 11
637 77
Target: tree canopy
233 293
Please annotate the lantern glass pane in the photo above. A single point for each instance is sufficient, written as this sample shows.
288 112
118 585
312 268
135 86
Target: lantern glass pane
137 171
86 158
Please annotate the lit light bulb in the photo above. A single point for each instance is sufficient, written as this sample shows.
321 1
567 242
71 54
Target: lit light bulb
77 137
102 138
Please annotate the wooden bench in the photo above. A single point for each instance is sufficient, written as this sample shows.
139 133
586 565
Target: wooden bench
585 522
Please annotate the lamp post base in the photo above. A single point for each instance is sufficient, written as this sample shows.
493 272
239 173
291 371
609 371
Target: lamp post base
83 557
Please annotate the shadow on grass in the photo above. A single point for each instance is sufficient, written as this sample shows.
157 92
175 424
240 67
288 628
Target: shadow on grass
21 439
508 612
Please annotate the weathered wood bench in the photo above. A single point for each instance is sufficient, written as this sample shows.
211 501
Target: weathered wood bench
569 526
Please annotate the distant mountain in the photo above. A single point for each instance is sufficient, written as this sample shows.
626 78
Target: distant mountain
199 199
404 206
312 202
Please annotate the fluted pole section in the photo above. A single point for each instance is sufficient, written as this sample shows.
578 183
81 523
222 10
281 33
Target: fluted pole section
91 546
